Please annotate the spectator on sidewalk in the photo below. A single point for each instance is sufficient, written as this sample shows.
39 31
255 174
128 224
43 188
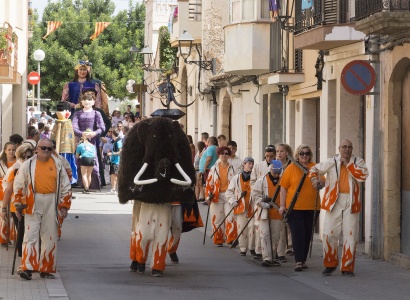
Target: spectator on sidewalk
114 155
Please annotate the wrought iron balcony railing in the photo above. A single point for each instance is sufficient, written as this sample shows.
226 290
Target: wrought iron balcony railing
322 12
365 8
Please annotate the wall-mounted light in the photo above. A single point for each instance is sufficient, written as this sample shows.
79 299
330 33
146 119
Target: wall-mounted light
186 40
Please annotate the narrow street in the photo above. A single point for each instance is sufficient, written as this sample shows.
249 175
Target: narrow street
93 264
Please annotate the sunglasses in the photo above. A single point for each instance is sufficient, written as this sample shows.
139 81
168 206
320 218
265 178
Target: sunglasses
226 153
347 147
270 149
304 153
44 148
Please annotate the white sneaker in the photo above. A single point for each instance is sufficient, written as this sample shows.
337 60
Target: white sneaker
112 192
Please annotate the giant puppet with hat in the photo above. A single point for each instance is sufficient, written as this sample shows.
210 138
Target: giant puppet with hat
72 90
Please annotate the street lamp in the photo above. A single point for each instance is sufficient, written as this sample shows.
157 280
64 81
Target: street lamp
186 39
38 56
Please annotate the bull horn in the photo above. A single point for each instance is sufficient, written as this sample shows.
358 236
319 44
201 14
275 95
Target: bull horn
137 180
187 181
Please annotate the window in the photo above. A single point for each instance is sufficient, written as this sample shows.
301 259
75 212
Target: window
248 10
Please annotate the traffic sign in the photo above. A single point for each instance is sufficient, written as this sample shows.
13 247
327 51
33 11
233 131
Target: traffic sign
33 78
358 77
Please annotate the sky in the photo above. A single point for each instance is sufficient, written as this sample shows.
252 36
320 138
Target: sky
41 4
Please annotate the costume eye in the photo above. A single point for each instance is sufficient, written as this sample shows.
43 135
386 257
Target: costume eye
154 136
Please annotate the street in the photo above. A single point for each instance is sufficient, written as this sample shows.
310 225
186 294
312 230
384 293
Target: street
93 262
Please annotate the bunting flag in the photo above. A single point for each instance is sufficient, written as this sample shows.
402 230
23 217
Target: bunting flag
51 27
274 7
99 27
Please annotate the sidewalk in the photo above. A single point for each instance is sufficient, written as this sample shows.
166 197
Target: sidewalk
13 287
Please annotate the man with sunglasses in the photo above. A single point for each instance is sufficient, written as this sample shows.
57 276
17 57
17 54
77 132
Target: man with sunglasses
259 170
342 202
43 185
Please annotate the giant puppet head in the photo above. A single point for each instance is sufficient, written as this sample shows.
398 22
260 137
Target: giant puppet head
156 164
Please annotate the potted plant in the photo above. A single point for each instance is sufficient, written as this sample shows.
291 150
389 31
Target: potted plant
5 46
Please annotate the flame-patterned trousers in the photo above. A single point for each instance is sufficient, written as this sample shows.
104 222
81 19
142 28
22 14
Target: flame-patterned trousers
43 221
268 252
217 212
151 230
245 240
176 228
340 219
254 232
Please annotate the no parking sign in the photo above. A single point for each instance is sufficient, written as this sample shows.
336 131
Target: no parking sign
358 77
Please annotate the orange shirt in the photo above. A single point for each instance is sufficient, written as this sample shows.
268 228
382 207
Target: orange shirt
344 180
45 178
223 178
9 180
290 181
273 212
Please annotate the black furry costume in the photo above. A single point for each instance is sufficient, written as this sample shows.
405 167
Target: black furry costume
161 143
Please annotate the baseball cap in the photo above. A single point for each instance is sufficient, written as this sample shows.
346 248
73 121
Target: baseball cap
248 159
276 166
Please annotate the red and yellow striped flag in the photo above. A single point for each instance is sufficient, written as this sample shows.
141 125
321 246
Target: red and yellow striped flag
51 27
99 27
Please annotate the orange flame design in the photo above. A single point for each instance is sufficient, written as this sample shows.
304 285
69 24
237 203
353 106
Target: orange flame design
32 259
330 198
356 204
330 258
139 252
219 235
47 265
231 231
159 258
348 259
358 173
171 247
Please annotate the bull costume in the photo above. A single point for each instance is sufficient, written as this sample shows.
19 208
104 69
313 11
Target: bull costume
342 203
156 169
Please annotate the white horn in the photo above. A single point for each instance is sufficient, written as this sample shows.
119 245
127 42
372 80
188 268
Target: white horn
187 181
137 180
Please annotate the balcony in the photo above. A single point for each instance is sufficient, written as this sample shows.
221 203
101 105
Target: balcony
327 24
8 55
247 48
186 15
383 17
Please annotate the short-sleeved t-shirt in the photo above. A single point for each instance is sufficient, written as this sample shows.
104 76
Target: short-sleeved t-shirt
115 159
290 181
210 151
86 150
45 177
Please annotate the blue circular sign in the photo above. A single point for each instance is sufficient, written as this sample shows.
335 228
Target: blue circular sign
358 77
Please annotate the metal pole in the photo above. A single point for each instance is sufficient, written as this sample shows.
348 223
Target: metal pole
38 87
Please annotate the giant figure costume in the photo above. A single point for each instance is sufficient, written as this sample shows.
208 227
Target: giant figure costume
156 169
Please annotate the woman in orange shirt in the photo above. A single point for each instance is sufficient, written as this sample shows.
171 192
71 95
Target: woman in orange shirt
7 159
300 219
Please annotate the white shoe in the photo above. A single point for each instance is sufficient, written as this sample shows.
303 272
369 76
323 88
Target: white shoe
112 192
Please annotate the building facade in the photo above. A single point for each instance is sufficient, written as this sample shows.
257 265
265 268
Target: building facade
14 24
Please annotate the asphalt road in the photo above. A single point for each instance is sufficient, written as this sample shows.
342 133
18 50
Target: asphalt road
93 262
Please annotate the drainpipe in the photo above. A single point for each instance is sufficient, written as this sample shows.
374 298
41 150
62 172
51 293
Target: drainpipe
284 89
214 111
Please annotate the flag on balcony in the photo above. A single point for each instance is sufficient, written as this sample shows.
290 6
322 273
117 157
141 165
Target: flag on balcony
51 27
274 6
307 4
99 27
